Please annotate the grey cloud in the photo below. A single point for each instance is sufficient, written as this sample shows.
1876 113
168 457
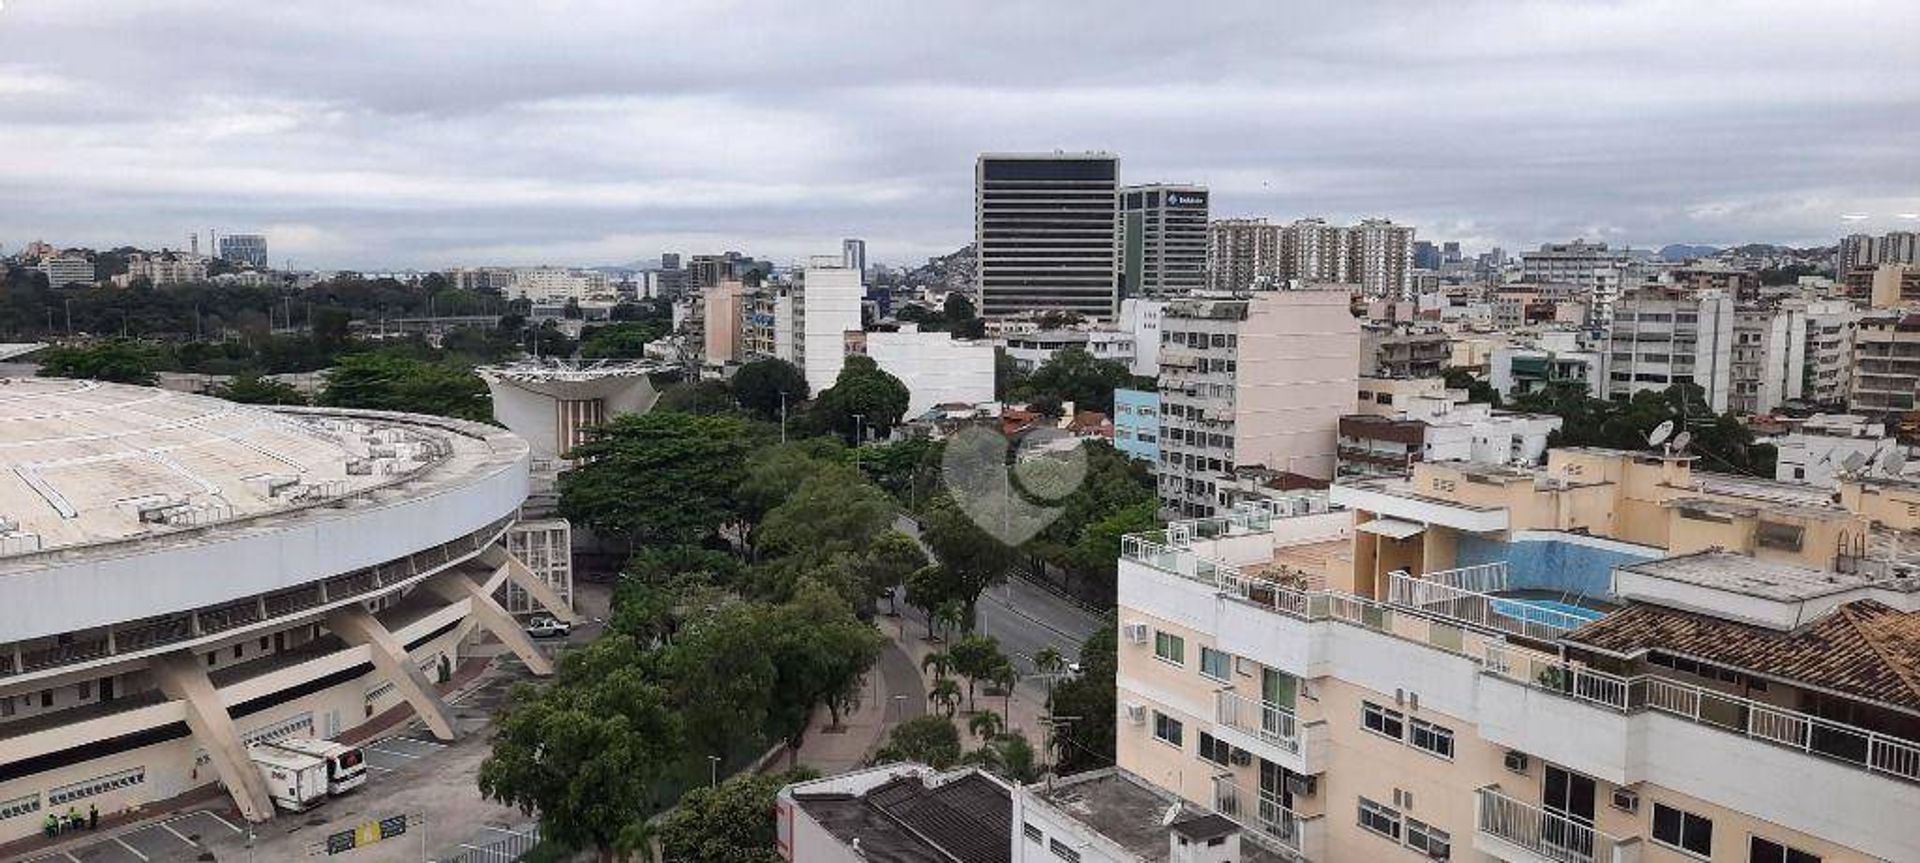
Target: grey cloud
431 133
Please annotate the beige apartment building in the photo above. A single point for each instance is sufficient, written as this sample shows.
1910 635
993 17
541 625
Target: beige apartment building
1258 380
1610 658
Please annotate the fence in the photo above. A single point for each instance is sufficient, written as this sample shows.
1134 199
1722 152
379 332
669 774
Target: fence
1548 835
507 850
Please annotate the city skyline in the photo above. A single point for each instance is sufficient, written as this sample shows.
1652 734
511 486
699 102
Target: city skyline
589 134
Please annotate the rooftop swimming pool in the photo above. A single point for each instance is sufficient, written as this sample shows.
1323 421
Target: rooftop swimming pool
1546 611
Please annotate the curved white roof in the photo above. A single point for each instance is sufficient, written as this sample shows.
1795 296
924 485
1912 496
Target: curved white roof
84 462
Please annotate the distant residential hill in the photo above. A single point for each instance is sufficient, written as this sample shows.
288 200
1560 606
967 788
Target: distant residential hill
1686 252
951 271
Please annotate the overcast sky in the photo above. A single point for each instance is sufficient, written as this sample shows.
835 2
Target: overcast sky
426 134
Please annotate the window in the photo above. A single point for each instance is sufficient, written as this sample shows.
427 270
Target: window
1380 819
1167 728
1061 851
1381 720
1171 648
1431 737
1214 749
1429 840
1031 832
1763 851
1215 664
1683 830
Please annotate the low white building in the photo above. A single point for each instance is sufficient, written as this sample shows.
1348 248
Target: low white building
545 285
937 368
1142 319
1030 351
64 270
1818 451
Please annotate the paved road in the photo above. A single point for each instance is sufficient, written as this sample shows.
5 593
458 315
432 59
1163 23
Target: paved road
1023 617
901 679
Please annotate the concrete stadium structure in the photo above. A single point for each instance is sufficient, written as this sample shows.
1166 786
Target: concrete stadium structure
552 402
181 576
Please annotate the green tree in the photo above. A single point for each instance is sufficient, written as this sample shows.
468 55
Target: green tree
656 478
1076 376
115 360
627 340
763 386
1477 389
820 652
584 755
255 390
939 662
388 382
945 695
931 740
975 657
776 471
865 390
1086 741
703 397
970 558
729 823
833 511
1048 663
1008 755
986 725
928 589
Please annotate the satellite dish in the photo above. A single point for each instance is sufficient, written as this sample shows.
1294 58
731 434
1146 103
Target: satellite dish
1171 815
1660 433
1895 460
1680 442
1853 462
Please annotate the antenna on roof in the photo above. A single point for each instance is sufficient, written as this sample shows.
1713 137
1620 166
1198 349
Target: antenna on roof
1660 433
1895 460
1172 813
1680 442
1852 464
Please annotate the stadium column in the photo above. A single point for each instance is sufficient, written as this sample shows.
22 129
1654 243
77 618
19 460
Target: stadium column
357 626
454 586
182 677
511 568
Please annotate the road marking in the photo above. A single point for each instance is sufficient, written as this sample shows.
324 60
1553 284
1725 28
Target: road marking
181 836
69 855
393 753
130 849
505 830
474 847
228 824
379 768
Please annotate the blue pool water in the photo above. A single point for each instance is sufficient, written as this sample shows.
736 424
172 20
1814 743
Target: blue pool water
1544 611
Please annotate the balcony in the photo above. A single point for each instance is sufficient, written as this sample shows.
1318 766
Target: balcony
1270 822
1515 832
1271 732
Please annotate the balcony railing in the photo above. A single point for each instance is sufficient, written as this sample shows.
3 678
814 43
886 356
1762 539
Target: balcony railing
1276 725
1263 814
1511 616
1876 752
1546 834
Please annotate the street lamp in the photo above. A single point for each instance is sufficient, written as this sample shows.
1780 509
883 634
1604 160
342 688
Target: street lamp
783 416
713 771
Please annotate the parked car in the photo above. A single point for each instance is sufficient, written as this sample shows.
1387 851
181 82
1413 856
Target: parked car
549 627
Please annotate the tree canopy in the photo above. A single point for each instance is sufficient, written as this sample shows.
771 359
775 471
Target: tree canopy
863 389
656 478
762 386
388 382
1073 375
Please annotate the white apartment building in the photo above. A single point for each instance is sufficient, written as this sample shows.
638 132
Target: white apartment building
1597 273
935 367
1141 317
1404 421
1256 381
486 280
1769 358
1662 337
805 321
1817 451
556 285
1313 251
1827 369
164 269
1242 254
64 270
1030 351
1383 255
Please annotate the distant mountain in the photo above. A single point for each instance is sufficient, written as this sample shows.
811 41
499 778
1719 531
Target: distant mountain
952 271
1685 252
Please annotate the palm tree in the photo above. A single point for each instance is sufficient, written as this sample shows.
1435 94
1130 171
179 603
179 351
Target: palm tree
986 726
940 661
950 615
639 841
1049 662
1006 678
945 696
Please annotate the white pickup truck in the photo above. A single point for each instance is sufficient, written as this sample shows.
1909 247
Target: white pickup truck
545 626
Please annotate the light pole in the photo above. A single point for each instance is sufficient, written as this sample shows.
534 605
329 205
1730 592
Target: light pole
783 416
713 771
856 438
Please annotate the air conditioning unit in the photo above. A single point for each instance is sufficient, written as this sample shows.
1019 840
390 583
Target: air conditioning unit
1302 785
1625 800
1240 758
1136 633
1516 761
1137 713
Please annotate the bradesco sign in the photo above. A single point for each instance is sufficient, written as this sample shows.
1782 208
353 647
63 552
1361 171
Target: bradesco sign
1186 199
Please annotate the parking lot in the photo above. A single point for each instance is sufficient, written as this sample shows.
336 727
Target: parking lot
180 837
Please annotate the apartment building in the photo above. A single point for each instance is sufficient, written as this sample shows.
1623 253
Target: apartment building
1886 372
1242 254
1611 658
1046 229
1740 283
1769 358
1404 350
723 331
1597 273
1827 358
805 320
936 368
1383 259
1136 424
557 285
1030 351
1664 336
64 270
1255 381
166 268
1163 239
1403 421
248 250
1818 450
488 280
1313 251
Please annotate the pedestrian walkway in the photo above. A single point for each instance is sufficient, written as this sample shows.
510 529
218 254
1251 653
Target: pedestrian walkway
894 693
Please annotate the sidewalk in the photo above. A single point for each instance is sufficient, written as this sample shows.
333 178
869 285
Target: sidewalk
1028 704
894 693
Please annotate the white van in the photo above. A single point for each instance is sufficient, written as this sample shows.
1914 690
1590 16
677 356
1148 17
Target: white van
295 781
346 765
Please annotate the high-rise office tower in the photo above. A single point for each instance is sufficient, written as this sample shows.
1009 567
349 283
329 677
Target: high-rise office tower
248 249
669 260
1426 256
853 255
1046 231
1164 239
